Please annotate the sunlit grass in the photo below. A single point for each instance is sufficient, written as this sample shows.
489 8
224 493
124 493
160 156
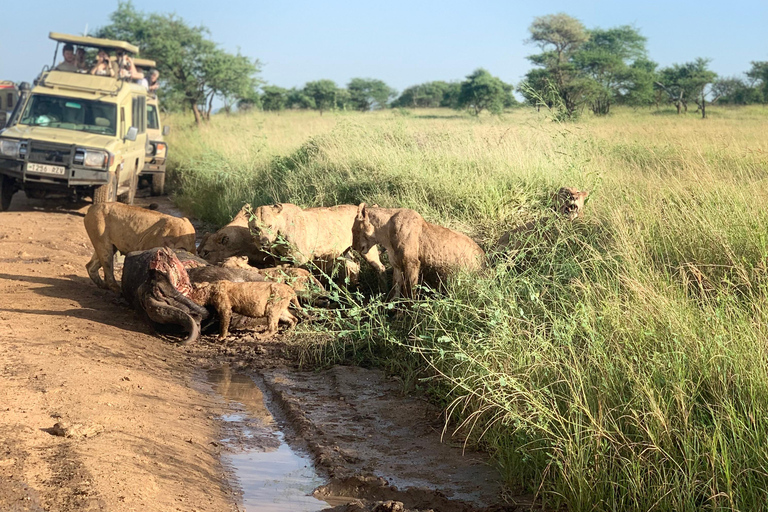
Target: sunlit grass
621 365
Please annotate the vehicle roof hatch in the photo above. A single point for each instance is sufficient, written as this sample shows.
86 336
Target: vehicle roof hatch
94 42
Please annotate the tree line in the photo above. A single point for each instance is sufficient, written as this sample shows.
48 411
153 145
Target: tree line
480 91
576 69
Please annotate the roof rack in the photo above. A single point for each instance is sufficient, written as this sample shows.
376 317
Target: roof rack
94 42
144 63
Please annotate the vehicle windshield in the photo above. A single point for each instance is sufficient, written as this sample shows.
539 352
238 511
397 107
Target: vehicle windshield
70 114
152 122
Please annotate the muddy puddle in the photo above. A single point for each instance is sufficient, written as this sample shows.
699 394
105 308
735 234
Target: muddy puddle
306 441
272 476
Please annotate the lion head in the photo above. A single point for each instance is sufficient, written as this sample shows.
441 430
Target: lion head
363 231
569 202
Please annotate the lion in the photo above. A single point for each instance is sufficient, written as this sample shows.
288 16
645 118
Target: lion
319 235
129 228
415 247
301 280
568 203
234 239
254 299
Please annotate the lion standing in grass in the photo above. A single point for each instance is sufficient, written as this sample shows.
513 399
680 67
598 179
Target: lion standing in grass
415 247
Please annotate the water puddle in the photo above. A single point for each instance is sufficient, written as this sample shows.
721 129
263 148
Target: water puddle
272 476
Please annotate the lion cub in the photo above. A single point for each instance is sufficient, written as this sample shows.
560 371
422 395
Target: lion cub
254 299
414 246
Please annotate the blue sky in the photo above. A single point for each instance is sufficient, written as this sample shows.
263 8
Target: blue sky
402 42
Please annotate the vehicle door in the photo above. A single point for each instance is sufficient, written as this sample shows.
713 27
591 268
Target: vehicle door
135 150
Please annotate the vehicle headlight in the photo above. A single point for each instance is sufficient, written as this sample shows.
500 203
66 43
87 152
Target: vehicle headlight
93 158
10 148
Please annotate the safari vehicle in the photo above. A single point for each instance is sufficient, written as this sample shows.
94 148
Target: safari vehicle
154 165
76 135
9 95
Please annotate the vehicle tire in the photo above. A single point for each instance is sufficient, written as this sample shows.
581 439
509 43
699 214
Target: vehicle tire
106 193
129 196
158 184
7 190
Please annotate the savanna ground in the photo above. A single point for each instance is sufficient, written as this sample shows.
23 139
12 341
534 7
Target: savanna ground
619 365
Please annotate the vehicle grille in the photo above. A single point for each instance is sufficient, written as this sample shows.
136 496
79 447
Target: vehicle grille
49 153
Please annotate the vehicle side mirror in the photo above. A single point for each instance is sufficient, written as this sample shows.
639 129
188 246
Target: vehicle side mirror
166 130
133 132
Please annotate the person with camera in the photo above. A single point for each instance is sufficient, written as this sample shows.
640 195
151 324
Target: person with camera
103 65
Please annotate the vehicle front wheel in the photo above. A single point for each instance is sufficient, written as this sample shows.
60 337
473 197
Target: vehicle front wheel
129 196
158 184
106 193
7 189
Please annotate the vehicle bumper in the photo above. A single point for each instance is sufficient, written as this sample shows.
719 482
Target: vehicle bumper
153 168
73 176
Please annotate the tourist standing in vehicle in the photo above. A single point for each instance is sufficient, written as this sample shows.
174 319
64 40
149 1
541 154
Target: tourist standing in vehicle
82 67
154 75
126 68
69 59
103 65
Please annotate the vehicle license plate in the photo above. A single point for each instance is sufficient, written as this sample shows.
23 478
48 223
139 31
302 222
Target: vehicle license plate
46 169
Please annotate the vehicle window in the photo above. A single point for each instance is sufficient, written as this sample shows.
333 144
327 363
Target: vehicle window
9 101
139 113
70 114
152 121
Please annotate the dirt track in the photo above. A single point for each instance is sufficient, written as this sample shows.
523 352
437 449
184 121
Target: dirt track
144 430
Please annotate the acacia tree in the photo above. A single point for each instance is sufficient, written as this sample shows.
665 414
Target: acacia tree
736 91
608 59
687 82
559 36
759 76
343 99
297 98
426 95
323 94
273 98
481 91
230 77
193 68
368 93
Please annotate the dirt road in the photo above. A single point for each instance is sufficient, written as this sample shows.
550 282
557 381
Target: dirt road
98 414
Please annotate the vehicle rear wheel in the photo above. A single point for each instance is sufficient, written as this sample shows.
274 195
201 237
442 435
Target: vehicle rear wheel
158 184
106 193
7 190
129 196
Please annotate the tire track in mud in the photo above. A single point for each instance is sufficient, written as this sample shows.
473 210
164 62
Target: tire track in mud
371 443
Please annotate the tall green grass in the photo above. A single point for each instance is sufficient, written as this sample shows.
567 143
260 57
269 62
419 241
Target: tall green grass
619 365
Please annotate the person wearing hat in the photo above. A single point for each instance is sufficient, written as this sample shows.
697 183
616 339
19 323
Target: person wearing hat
69 63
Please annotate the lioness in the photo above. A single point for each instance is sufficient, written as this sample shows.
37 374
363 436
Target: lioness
414 246
129 228
234 239
320 235
254 299
568 202
301 280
